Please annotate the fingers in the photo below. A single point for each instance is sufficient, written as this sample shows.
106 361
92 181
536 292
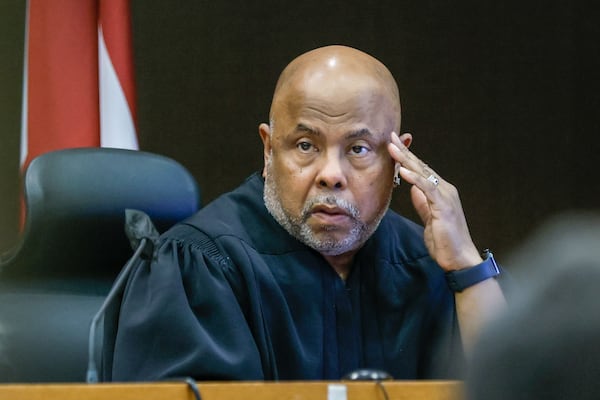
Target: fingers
431 195
438 204
421 204
412 169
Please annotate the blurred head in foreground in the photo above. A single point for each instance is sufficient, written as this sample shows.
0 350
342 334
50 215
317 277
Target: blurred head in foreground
547 344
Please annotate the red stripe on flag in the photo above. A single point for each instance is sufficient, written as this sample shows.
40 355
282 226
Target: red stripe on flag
62 77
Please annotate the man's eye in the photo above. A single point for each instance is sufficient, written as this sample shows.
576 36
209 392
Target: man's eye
359 150
305 146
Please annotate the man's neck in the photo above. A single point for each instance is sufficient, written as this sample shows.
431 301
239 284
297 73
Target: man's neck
341 264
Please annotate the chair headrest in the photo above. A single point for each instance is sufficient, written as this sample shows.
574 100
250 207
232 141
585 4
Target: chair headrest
76 201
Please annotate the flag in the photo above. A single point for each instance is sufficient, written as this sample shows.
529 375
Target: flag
78 86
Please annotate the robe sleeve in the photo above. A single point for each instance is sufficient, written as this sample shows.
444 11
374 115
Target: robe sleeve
179 317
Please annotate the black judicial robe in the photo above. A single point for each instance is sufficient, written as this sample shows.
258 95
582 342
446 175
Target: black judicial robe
230 295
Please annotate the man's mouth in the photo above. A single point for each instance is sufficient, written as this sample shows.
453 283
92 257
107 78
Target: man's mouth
330 215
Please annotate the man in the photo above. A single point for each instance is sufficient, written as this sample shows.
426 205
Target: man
304 273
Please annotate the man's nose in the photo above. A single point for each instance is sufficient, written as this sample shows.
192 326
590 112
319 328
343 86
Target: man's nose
331 174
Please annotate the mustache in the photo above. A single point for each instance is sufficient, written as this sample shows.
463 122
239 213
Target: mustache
330 200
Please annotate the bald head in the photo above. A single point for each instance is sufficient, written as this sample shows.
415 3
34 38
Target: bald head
332 114
337 73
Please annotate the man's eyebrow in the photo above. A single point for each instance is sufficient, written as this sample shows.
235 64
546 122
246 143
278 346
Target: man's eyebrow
360 133
307 129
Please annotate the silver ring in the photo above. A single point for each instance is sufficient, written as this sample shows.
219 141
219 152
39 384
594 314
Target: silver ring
431 178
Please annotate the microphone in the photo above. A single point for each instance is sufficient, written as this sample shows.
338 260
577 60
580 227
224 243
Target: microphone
142 236
367 374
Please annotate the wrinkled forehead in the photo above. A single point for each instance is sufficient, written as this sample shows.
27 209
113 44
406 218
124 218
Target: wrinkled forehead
338 92
337 78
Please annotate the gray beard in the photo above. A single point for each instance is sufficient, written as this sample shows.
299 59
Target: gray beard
298 228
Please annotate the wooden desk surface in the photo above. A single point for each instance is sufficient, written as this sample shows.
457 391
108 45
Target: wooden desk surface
297 390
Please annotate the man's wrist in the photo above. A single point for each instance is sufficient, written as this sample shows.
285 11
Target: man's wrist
461 279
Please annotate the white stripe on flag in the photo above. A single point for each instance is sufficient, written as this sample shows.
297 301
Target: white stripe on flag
24 134
116 124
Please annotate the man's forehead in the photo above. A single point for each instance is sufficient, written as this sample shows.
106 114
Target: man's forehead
335 89
351 133
372 109
334 95
336 81
319 79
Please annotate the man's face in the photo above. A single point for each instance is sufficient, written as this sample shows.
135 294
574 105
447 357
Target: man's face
327 168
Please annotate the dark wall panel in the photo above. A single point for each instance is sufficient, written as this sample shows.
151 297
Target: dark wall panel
500 96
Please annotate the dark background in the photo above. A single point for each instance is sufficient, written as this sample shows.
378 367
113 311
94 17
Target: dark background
501 97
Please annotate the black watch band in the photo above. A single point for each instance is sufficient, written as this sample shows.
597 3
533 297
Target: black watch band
464 278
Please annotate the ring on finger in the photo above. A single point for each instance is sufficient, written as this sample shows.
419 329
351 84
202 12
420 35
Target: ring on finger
432 178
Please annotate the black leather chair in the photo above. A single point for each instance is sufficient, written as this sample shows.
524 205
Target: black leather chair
72 248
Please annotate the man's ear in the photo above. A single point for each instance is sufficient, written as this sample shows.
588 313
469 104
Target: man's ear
264 130
406 139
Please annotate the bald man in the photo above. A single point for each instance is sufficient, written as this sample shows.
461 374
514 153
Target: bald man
303 272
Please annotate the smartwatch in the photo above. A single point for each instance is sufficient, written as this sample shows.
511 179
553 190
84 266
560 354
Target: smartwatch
464 278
